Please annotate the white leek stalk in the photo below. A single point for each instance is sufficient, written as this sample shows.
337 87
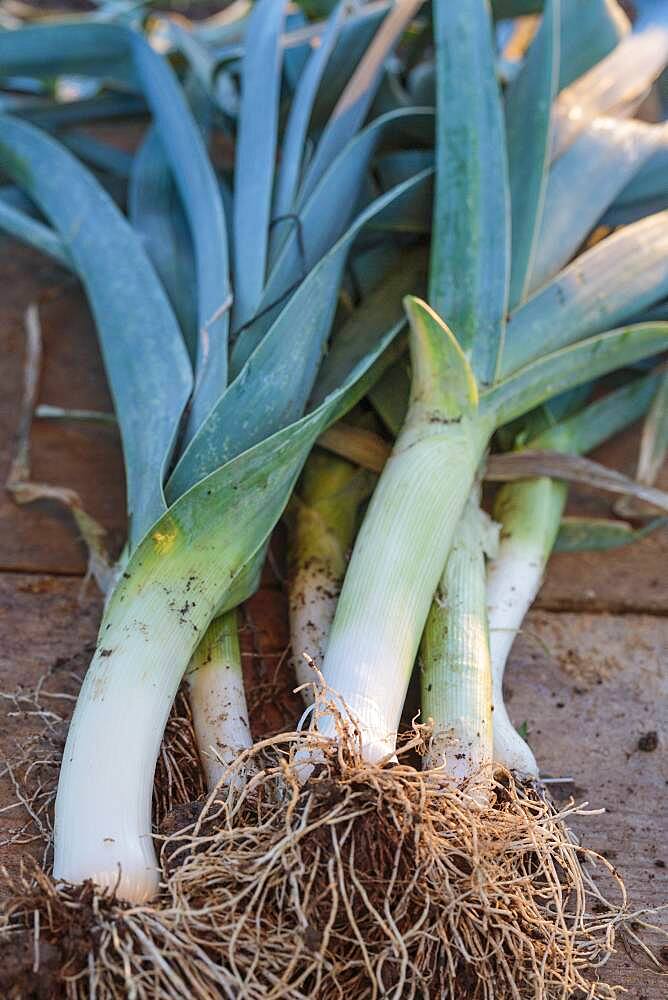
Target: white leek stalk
529 513
456 666
405 538
102 828
217 698
323 523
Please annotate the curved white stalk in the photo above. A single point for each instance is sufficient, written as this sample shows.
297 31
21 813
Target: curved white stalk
217 698
456 666
314 591
102 827
529 513
405 538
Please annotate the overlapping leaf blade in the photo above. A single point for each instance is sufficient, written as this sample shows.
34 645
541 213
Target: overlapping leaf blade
276 381
319 223
589 32
354 103
156 212
294 140
31 50
255 155
604 287
528 125
216 528
582 184
143 351
572 366
468 283
617 84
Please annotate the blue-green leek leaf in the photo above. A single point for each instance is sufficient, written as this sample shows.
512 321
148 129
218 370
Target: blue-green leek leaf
604 287
468 283
142 348
528 124
320 222
572 366
256 154
274 384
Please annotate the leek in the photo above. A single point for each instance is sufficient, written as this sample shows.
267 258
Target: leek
323 523
461 391
179 577
530 514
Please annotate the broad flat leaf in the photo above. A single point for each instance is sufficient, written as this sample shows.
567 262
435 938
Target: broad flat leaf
201 199
255 155
276 381
585 430
319 223
156 212
572 366
353 105
144 356
31 50
618 83
83 48
209 537
589 32
583 183
294 141
604 287
353 41
469 273
528 125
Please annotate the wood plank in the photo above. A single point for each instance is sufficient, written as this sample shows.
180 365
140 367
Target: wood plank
46 623
593 690
85 457
621 580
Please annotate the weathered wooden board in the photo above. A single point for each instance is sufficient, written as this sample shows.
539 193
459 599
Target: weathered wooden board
83 456
621 580
593 691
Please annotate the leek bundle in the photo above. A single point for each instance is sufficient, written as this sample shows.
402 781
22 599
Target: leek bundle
448 881
452 881
197 533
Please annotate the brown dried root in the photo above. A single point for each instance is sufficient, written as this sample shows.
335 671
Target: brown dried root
361 882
